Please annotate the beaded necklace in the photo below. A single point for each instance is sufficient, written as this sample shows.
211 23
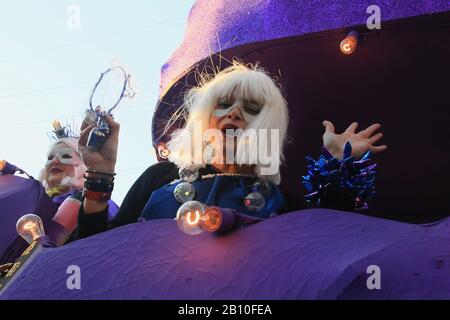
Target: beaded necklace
185 190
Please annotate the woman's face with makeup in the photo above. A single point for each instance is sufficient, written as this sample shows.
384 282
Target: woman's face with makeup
61 162
227 117
233 112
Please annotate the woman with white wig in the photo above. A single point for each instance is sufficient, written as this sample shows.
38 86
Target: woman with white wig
226 157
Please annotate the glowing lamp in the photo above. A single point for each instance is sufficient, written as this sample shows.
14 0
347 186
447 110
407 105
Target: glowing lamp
194 218
350 42
189 217
2 164
30 227
163 151
212 219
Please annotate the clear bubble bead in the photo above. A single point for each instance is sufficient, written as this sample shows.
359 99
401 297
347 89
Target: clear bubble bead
184 192
255 201
188 174
262 186
190 217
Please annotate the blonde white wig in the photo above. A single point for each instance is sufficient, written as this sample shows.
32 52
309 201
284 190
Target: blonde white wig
75 182
251 83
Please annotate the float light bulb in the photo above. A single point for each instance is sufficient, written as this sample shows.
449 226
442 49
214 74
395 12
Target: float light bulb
193 218
189 217
349 44
163 151
30 227
212 219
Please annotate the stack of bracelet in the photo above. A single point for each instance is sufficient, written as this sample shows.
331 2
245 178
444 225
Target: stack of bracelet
98 185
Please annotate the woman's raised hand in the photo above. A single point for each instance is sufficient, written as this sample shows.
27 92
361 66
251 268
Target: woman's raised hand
105 158
361 142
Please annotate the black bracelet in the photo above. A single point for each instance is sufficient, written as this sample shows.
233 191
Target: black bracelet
98 187
101 173
98 179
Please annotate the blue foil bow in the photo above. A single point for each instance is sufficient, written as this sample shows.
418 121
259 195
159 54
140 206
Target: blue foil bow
341 184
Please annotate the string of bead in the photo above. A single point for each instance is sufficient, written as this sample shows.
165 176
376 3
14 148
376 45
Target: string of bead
212 175
185 190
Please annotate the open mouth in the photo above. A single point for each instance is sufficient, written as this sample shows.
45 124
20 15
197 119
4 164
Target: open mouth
230 130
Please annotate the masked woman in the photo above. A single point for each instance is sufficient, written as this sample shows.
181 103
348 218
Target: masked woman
62 178
63 170
227 155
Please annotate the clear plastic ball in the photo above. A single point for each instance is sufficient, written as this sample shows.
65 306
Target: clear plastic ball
190 216
184 192
262 186
188 174
255 201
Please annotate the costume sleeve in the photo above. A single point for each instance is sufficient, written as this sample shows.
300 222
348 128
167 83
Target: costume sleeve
153 178
346 184
90 224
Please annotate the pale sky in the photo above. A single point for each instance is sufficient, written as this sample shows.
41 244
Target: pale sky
47 70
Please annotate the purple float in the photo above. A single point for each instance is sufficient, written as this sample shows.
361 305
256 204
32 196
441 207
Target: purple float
310 254
397 75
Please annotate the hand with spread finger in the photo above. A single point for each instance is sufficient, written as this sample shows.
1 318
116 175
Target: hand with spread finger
105 158
361 142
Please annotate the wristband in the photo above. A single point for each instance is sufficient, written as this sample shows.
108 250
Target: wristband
104 180
101 173
98 196
98 186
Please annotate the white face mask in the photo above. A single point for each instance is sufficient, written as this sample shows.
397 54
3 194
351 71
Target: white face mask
64 156
249 110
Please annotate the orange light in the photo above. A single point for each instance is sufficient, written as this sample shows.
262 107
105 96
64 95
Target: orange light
196 218
29 225
189 217
349 44
2 164
212 220
163 151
